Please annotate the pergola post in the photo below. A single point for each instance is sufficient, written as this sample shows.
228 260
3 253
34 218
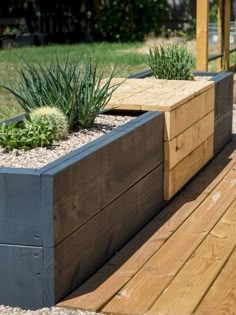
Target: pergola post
219 34
227 34
202 34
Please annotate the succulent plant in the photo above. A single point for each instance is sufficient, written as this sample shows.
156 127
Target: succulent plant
54 117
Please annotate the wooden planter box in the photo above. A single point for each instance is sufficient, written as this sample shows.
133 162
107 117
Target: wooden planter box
189 122
60 223
223 104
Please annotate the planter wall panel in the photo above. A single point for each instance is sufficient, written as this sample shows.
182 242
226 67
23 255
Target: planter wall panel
177 177
223 131
182 145
223 93
85 187
19 197
105 233
178 120
21 275
223 105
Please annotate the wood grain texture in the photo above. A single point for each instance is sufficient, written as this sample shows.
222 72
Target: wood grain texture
83 188
107 231
179 120
193 281
187 168
98 290
222 131
139 294
182 145
213 173
202 34
101 287
221 298
156 95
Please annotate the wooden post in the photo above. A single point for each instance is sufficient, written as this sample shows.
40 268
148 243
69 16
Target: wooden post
202 34
227 34
219 33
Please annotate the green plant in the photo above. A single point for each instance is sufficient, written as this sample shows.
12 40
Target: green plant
125 20
76 89
93 94
52 85
54 117
171 62
21 135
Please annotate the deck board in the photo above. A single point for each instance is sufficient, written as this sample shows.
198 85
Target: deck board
221 298
178 254
138 295
193 281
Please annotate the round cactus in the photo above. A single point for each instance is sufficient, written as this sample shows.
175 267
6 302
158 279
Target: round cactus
55 118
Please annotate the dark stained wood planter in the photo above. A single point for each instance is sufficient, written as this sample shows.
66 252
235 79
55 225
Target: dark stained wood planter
60 223
223 109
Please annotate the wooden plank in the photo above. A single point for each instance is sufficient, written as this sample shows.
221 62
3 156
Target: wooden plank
202 34
221 297
178 120
178 176
96 178
222 131
108 231
123 156
101 287
224 95
157 95
21 273
219 34
182 145
188 288
21 221
227 17
139 294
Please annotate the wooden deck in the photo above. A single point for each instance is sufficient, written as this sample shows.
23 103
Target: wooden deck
183 262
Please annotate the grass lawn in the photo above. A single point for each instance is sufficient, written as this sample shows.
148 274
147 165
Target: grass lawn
126 56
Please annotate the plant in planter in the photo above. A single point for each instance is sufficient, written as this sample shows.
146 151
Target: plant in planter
76 89
171 62
62 221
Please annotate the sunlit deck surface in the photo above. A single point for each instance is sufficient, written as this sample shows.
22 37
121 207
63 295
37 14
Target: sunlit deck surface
182 262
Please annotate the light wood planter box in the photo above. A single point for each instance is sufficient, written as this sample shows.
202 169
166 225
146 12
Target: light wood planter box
60 223
189 123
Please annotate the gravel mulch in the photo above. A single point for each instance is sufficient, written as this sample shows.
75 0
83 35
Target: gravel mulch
39 157
6 310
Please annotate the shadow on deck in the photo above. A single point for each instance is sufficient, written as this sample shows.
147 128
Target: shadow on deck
178 262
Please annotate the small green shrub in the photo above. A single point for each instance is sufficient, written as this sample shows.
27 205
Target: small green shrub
93 95
54 117
21 135
171 62
75 89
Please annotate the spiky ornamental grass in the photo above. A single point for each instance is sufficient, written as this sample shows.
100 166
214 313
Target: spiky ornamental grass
171 62
74 88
